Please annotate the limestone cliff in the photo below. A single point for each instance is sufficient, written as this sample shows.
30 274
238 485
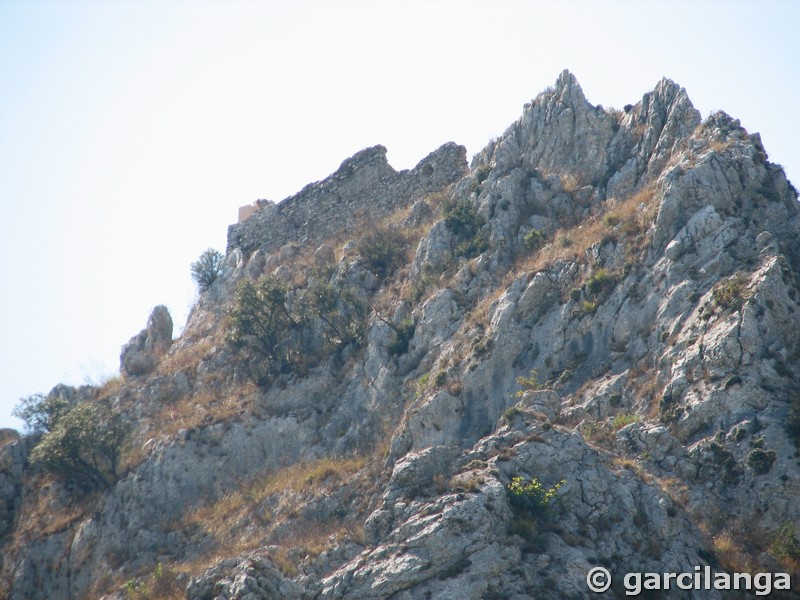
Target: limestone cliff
604 304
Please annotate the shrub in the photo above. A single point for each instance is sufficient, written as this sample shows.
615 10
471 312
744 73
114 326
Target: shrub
731 295
208 268
261 326
464 222
530 383
341 312
383 250
440 379
41 413
792 423
533 240
275 330
622 420
482 172
785 544
84 446
511 413
532 496
761 460
403 334
601 280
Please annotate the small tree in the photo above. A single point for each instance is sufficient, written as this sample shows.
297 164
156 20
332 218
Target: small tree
261 324
41 413
208 268
340 311
84 446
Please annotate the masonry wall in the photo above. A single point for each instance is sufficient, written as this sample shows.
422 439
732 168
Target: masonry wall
365 188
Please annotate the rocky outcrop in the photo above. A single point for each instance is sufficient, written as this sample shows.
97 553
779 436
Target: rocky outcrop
621 330
142 353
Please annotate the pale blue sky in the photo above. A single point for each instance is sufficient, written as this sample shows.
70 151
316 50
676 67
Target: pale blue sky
130 132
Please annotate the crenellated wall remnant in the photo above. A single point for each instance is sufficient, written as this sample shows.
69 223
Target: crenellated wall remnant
364 188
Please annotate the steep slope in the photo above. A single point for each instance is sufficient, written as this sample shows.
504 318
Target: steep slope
605 303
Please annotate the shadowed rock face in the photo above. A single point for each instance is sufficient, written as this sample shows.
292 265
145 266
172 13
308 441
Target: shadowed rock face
638 270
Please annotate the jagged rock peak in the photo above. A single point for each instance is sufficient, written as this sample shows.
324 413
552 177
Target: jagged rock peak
615 152
373 157
568 90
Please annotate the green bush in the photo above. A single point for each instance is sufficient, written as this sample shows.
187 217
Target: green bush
532 496
785 545
482 172
533 240
761 460
273 329
530 383
41 413
464 222
589 307
208 268
600 281
84 446
403 334
622 420
341 312
261 327
731 295
383 250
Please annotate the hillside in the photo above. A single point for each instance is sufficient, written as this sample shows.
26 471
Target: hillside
604 303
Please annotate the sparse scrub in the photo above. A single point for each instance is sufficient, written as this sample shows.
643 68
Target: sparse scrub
383 250
785 546
161 584
529 383
731 295
634 213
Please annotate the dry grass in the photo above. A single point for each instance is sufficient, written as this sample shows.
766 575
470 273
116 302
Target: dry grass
631 217
110 387
205 408
187 357
45 511
265 512
240 521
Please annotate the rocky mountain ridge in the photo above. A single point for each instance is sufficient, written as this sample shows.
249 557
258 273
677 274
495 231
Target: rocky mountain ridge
604 303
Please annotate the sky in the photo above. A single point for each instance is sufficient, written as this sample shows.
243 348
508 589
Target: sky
131 132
